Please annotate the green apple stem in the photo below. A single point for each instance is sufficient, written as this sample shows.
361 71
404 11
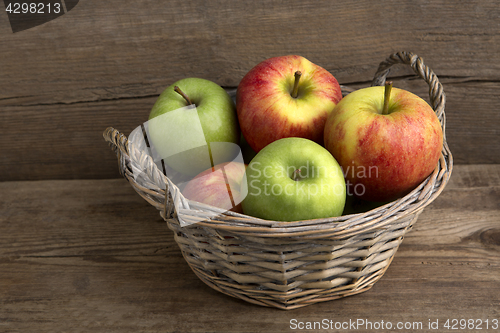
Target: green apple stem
387 96
295 91
180 92
296 175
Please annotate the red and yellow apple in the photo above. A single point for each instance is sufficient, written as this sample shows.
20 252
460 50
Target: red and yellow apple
285 96
386 141
219 186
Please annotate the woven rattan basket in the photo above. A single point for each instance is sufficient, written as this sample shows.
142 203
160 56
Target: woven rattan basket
288 265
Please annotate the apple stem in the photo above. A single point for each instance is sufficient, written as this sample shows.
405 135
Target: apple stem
180 92
295 91
296 175
387 96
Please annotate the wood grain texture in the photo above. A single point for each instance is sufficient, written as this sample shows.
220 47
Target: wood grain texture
104 64
92 256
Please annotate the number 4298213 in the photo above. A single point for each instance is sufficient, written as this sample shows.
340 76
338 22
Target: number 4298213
476 324
33 8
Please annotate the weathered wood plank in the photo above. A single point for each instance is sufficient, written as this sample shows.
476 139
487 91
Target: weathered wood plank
104 63
65 141
91 255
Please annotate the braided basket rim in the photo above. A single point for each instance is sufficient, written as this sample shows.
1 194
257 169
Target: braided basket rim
162 193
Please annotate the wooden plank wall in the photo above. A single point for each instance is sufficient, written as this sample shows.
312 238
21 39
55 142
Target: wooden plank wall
105 62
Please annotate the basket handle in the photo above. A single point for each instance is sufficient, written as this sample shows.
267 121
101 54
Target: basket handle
123 148
116 139
118 143
436 93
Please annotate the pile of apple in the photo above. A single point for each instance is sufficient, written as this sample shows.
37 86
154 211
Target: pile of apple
310 149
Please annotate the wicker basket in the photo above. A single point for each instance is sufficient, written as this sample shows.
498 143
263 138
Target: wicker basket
288 265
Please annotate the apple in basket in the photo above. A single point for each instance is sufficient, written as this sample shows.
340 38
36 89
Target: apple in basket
219 186
193 126
294 179
387 141
285 96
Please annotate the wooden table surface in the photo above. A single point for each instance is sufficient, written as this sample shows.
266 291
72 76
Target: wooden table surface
93 256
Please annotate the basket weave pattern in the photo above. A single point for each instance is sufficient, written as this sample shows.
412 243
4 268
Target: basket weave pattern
288 265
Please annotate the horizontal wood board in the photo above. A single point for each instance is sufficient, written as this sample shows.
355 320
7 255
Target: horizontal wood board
104 63
93 256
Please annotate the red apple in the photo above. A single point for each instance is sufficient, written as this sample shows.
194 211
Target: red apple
387 142
283 97
218 186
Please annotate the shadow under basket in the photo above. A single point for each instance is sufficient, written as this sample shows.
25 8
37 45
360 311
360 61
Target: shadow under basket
288 265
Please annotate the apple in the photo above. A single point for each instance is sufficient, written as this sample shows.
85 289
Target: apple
285 96
193 126
387 141
219 186
294 179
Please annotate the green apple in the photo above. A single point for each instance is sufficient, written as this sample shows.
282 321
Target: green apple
193 126
387 141
294 179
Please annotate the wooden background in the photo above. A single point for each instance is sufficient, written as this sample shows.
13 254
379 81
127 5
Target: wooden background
104 64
